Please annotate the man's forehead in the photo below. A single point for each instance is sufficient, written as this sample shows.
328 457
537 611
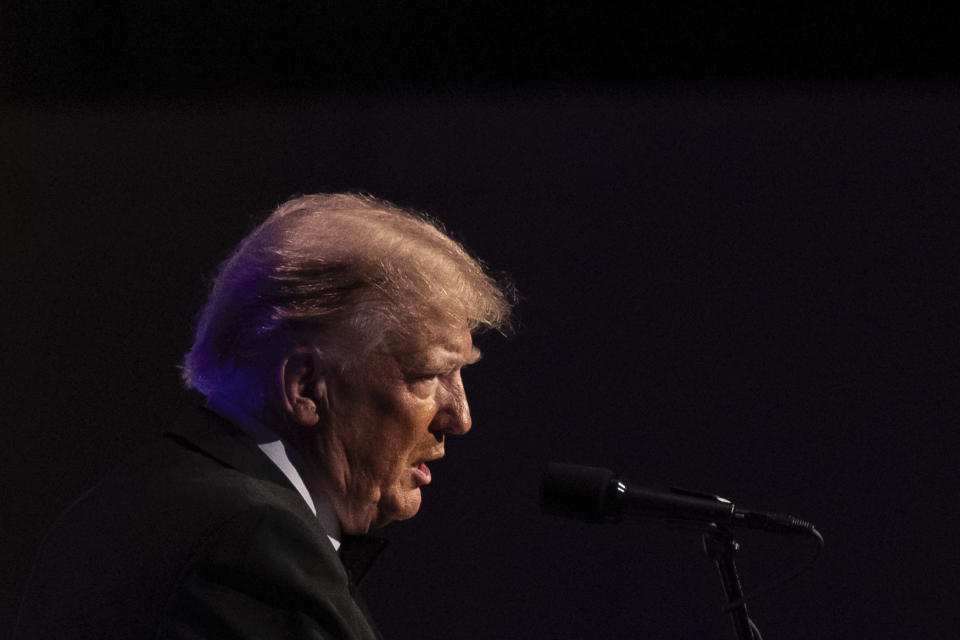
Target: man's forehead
452 346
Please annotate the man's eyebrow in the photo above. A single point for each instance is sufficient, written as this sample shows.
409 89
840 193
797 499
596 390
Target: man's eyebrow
474 357
453 360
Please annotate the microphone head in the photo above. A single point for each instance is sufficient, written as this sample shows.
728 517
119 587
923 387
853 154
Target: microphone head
574 491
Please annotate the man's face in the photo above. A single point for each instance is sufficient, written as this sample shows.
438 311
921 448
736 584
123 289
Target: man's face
389 418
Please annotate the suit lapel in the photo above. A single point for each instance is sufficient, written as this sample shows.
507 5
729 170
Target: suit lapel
205 431
216 437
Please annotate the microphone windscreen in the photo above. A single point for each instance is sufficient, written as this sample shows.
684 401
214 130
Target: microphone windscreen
574 491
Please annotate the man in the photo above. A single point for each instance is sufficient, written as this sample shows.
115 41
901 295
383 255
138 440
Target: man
329 353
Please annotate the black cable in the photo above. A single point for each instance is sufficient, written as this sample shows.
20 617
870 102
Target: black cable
779 581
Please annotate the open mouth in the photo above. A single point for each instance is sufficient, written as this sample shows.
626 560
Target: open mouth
422 472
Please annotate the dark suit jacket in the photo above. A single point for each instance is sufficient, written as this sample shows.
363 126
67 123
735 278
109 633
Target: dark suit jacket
198 536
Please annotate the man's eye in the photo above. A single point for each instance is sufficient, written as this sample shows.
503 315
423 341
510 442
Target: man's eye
430 375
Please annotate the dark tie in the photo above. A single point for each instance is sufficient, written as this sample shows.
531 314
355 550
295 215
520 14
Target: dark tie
357 553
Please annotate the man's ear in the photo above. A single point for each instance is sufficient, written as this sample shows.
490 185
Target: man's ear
304 386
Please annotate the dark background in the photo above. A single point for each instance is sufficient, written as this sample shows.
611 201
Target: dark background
732 227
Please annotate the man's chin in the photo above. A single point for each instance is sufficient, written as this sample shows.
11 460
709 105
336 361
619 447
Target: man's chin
405 507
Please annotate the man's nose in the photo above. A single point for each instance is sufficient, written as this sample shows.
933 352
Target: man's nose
454 414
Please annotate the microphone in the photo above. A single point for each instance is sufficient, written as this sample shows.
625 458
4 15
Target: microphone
597 495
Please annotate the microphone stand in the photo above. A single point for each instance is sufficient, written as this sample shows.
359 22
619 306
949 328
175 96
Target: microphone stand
719 545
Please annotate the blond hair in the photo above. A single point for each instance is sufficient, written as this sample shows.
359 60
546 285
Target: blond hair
343 271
